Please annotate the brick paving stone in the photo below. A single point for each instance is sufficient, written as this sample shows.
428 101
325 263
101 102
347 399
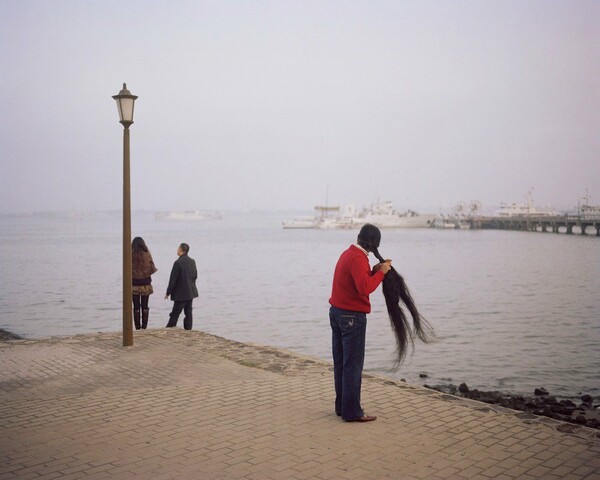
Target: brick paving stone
205 407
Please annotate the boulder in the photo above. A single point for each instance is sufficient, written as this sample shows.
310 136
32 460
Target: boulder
568 404
491 397
581 420
540 391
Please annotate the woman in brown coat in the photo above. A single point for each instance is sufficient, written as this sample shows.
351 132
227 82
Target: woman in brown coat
142 270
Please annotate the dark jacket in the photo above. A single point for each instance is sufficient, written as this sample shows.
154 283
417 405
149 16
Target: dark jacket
182 284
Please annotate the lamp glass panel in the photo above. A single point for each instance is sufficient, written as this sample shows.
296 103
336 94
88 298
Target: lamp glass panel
126 109
119 109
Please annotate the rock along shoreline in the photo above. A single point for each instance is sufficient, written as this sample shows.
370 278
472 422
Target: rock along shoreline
541 403
6 335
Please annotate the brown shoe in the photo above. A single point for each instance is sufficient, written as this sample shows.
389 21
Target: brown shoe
364 418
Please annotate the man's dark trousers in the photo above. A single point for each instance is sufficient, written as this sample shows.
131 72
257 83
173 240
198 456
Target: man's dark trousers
186 306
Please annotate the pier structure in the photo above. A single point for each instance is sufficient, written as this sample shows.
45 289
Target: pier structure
542 223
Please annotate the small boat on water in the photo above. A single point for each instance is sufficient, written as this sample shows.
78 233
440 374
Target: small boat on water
188 215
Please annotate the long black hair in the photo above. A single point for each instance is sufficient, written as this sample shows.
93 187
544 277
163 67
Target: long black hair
396 292
138 245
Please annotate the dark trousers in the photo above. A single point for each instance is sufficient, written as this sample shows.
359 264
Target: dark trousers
186 306
140 311
140 301
348 347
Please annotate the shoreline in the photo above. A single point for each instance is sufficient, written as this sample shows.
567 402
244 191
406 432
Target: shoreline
6 335
540 404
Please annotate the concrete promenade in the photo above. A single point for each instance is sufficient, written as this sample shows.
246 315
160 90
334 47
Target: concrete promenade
187 405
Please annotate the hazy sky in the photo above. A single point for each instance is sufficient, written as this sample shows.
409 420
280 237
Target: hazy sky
270 104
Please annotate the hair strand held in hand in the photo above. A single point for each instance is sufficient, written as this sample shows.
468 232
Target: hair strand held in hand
396 293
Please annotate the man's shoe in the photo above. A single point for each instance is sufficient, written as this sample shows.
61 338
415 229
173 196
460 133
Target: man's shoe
364 418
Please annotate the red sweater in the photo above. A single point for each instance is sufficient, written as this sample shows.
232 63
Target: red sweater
353 281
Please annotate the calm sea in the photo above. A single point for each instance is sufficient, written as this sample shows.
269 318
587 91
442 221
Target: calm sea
512 310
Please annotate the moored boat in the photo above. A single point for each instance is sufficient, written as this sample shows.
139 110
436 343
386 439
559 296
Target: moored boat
586 210
384 215
325 215
527 209
301 222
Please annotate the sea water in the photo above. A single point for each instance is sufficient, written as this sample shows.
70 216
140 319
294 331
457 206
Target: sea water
512 311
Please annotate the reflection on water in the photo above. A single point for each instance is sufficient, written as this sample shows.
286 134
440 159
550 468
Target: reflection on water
512 310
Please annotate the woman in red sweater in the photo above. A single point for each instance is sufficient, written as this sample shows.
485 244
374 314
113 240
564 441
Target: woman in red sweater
353 282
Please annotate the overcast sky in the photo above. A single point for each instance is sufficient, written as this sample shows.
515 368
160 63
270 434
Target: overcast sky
272 104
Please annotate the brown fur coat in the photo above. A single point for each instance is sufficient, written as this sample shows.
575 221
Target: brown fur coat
142 268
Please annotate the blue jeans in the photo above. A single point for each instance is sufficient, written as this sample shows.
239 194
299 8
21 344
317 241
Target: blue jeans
348 346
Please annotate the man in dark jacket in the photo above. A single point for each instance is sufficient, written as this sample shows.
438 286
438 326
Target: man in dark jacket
182 287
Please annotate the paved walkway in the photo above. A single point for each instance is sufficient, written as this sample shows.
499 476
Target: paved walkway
187 405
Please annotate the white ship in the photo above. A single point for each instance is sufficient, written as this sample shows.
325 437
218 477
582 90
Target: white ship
586 210
343 221
382 215
527 209
301 222
188 215
325 215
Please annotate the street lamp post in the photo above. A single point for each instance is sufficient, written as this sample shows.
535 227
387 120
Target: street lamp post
125 101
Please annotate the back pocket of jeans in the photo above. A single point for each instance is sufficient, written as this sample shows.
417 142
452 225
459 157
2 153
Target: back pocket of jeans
348 321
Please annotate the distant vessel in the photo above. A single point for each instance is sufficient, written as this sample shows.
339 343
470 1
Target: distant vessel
527 209
324 219
301 222
444 222
344 221
586 210
382 215
461 218
188 215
